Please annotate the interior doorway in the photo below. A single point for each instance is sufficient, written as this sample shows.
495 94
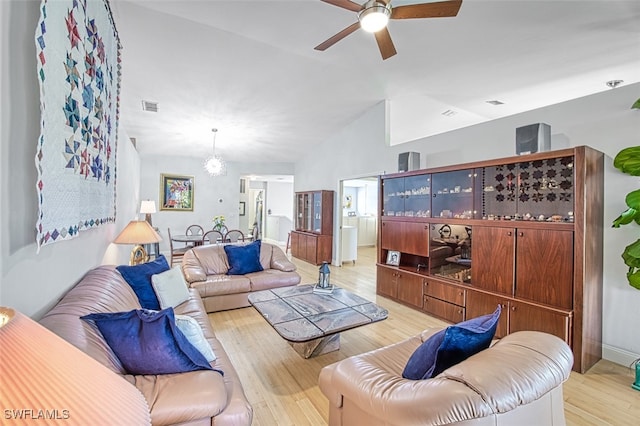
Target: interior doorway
268 205
358 220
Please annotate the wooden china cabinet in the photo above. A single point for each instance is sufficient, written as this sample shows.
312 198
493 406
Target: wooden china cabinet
312 240
524 232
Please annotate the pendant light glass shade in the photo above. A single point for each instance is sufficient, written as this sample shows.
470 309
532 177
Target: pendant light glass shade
215 165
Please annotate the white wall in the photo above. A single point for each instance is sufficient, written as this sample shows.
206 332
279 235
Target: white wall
603 121
280 199
30 282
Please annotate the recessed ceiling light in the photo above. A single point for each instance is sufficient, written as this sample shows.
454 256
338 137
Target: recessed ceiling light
449 113
149 106
495 102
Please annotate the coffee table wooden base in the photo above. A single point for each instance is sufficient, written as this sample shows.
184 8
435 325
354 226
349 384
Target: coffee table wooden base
317 347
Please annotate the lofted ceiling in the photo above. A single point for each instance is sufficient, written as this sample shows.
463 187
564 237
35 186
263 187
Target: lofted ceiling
248 68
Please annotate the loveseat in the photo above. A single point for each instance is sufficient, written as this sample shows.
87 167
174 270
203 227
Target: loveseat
517 381
203 397
206 269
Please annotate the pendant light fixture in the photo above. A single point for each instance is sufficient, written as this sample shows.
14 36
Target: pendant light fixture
215 165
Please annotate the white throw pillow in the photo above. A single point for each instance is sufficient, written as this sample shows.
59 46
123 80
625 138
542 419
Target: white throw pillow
170 288
192 331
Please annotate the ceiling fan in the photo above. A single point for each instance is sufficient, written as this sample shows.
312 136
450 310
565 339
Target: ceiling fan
374 15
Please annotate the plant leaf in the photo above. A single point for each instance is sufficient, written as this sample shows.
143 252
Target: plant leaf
636 105
634 278
628 161
633 199
631 254
627 217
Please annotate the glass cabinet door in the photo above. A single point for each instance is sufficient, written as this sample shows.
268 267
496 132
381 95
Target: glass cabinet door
308 213
393 197
317 212
540 190
407 196
300 212
453 194
417 200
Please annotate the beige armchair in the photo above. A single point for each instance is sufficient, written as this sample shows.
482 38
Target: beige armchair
517 381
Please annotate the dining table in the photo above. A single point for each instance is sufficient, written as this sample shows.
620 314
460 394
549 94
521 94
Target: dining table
195 240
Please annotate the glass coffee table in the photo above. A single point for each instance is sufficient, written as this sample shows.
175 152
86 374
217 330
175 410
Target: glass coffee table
312 322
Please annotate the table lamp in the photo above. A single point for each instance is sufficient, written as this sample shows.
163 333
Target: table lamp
138 232
147 207
47 380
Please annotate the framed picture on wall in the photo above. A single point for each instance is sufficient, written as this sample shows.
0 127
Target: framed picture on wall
176 192
393 258
242 208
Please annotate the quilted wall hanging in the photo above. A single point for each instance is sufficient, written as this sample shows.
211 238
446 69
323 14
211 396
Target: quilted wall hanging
78 56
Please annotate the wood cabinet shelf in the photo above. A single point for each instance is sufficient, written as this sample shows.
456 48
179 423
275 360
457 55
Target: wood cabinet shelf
524 232
312 240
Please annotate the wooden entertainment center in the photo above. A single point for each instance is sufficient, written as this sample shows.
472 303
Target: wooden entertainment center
525 232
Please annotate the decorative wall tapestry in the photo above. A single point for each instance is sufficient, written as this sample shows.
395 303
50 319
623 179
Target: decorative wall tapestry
78 54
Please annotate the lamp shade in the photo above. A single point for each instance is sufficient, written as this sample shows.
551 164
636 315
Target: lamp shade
47 380
147 206
138 232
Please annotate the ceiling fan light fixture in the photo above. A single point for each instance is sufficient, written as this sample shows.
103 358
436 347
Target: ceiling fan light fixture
374 16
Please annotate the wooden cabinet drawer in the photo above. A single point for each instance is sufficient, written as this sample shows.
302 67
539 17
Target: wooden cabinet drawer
446 292
444 310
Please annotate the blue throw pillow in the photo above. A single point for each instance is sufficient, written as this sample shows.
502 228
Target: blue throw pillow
149 342
243 259
139 278
451 346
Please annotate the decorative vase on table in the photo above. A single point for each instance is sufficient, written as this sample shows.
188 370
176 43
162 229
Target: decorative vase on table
218 223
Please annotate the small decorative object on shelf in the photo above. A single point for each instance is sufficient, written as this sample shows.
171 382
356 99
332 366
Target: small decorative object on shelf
323 285
393 258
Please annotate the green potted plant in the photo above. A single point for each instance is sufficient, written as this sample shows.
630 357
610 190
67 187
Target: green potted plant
628 161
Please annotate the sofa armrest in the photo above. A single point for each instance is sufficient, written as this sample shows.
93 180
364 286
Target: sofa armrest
280 261
192 269
183 397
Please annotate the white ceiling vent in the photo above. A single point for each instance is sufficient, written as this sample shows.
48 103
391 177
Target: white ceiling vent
149 106
449 113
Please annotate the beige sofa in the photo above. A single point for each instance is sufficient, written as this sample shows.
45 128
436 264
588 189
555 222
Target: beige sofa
201 397
517 381
205 269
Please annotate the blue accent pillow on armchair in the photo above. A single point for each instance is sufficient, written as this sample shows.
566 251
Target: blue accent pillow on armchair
243 259
149 342
139 278
451 346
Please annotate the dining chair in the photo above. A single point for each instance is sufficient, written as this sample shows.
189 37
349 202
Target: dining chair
194 230
176 253
212 237
234 236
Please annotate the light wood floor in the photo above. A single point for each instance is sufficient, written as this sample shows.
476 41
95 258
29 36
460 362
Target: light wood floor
283 387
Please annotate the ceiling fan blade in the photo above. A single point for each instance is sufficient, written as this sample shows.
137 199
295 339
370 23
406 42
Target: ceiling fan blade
387 49
345 4
336 38
441 9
